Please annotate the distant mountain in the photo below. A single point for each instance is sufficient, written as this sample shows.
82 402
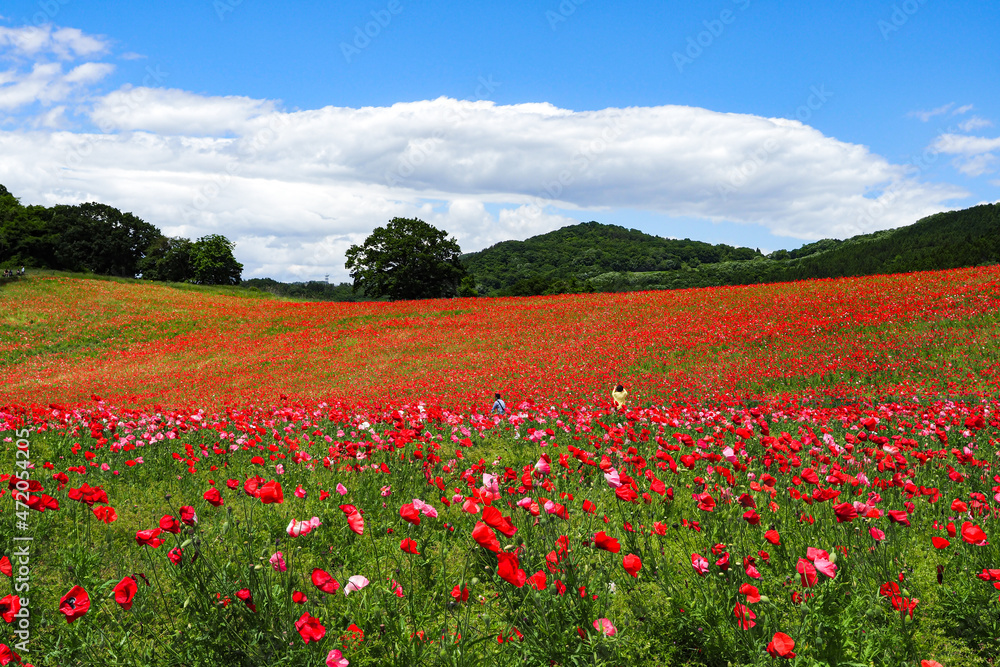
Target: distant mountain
597 257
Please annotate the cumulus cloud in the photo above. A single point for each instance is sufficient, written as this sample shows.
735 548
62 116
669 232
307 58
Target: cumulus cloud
45 80
295 189
47 83
48 40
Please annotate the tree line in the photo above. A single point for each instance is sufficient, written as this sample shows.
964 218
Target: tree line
98 238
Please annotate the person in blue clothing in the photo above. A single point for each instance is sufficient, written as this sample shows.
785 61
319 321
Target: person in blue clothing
499 407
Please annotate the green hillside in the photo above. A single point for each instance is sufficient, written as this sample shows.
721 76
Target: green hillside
593 256
564 260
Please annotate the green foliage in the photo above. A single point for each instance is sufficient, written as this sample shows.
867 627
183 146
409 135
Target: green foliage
407 259
168 259
613 259
212 261
99 239
313 290
564 260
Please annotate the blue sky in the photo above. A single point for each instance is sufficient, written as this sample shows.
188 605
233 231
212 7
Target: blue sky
293 132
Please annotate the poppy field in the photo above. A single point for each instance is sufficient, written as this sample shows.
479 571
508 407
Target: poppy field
802 474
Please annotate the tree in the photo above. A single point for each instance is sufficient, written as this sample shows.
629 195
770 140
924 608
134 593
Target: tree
101 239
407 259
213 263
168 259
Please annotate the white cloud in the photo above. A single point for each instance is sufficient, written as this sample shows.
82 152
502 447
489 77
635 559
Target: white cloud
132 55
976 165
974 154
974 123
47 83
962 109
47 40
176 112
295 189
927 115
959 144
44 80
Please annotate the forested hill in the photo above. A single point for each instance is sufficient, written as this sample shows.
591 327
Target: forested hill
593 256
567 258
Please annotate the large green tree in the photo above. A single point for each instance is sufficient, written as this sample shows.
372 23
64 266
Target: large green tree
407 259
213 263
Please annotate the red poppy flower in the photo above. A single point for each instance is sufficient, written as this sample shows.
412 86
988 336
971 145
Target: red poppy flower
106 513
271 493
751 517
354 519
899 516
125 591
460 594
753 595
149 537
8 656
493 518
940 542
744 616
322 580
298 597
409 546
509 570
773 537
188 517
410 514
214 497
807 572
538 580
700 564
310 628
87 494
781 646
74 604
176 556
845 512
706 503
589 507
5 566
245 595
9 606
632 564
973 534
602 541
250 486
170 524
485 537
